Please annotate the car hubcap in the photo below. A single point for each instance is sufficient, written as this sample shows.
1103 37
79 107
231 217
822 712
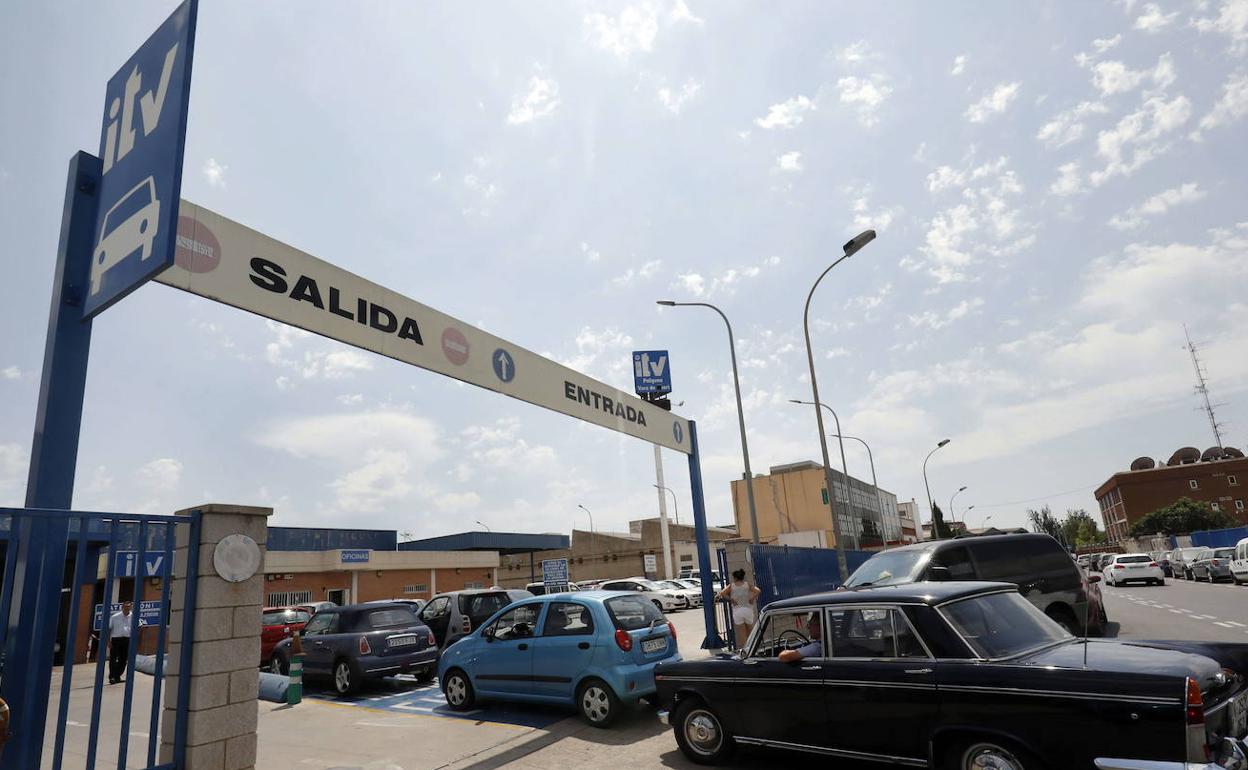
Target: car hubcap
456 691
595 703
342 677
989 757
702 732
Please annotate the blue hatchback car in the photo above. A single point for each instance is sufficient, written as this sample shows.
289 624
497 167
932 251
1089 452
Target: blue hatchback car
595 650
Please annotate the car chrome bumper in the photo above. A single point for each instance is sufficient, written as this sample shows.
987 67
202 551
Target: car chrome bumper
664 717
1233 755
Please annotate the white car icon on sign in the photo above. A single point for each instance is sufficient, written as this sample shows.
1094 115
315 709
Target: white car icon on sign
130 225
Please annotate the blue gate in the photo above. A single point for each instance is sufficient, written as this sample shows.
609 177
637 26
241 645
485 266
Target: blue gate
51 555
782 572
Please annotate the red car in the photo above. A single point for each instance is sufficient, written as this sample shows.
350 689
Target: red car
279 623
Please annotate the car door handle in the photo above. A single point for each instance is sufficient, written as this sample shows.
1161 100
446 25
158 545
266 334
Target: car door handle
812 668
583 646
522 647
918 671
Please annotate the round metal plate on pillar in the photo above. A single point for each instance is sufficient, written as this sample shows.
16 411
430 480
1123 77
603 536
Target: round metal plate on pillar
236 558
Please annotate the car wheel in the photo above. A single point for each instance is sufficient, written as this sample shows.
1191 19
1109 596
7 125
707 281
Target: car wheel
458 691
425 675
346 681
658 604
597 703
700 733
989 755
278 665
1066 620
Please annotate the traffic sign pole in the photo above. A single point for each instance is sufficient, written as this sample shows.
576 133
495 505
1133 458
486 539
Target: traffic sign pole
712 640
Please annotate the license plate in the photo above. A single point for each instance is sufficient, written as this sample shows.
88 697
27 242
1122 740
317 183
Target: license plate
1239 715
401 641
654 645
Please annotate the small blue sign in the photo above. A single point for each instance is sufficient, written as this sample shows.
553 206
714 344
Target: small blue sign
154 564
356 555
141 145
651 372
678 432
149 613
555 572
504 365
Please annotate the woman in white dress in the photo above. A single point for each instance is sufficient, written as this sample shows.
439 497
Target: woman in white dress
743 597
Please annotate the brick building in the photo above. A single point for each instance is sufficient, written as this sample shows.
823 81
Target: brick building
1218 476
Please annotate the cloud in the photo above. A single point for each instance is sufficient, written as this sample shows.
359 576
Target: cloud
636 275
1114 77
1156 205
932 320
539 101
723 284
1232 106
865 303
856 53
674 100
608 350
1231 21
1103 44
633 30
1069 180
866 95
868 218
790 161
959 64
214 173
591 255
1067 127
1139 137
14 463
681 12
993 103
1153 20
158 478
330 361
786 114
351 399
11 373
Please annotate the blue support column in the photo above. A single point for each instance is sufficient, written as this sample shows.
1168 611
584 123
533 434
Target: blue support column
42 540
712 640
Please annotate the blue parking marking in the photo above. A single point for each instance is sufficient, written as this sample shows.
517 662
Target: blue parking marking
402 695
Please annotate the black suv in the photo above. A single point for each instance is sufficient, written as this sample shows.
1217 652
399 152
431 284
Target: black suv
1039 565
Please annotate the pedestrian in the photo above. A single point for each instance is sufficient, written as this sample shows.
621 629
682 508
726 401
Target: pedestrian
119 642
743 597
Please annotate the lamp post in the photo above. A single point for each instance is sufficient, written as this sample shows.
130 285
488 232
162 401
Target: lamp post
952 517
592 539
931 508
487 528
736 383
986 520
879 502
849 249
968 513
675 506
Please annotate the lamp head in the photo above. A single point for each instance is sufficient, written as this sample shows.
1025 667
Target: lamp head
858 241
796 401
942 442
961 489
666 303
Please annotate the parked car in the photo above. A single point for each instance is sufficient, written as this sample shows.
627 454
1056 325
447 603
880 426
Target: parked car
1036 563
665 599
539 589
595 650
695 574
1104 559
278 623
1084 560
415 604
1134 567
1239 565
357 643
959 676
1163 560
1213 565
315 607
691 596
456 613
1181 560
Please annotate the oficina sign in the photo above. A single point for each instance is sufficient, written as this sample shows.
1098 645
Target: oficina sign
355 555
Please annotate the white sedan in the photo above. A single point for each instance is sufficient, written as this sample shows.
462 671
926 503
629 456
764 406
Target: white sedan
1124 568
665 599
692 596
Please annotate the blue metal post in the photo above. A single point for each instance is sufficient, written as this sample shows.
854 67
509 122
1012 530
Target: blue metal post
40 555
158 677
136 635
71 636
101 649
712 640
188 634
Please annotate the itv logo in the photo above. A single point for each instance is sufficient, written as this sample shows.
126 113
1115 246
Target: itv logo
119 132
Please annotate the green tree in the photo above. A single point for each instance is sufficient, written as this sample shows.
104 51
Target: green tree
1181 517
1044 521
940 530
1080 529
1089 534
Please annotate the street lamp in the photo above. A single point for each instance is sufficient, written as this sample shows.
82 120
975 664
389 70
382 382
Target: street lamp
675 506
849 249
951 499
592 539
986 520
487 529
736 382
931 508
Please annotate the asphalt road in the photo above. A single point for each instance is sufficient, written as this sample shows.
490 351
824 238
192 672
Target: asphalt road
1178 610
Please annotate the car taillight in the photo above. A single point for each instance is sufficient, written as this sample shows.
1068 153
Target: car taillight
1152 564
364 648
467 627
1195 703
1215 562
671 629
1119 566
433 640
623 640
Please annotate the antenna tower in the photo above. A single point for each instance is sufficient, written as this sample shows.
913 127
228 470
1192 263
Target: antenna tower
1203 389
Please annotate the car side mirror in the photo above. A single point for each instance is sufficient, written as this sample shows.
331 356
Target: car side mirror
939 573
1094 578
487 634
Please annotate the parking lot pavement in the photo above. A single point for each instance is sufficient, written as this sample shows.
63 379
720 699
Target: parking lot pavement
1179 610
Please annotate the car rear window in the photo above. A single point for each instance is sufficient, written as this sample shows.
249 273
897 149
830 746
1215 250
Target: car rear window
1133 559
632 612
889 567
394 617
282 617
1224 553
479 607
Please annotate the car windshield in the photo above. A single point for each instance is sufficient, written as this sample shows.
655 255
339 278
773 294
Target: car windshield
1137 559
1224 553
284 617
632 612
890 567
479 607
650 585
1002 625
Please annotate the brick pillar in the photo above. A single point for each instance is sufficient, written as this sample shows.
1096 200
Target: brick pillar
225 653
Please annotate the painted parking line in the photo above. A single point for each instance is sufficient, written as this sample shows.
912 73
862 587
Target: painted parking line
1223 624
405 697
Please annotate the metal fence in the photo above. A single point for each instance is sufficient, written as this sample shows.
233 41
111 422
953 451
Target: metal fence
782 572
1219 538
39 547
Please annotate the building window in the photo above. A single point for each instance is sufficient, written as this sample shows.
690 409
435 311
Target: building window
1230 480
473 584
1216 506
289 598
416 588
1239 505
1192 483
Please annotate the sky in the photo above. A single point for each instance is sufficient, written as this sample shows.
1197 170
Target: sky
1058 188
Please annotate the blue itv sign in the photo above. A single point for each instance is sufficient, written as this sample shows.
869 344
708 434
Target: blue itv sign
651 373
141 144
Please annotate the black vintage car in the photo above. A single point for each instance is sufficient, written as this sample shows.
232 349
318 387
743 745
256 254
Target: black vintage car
959 676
